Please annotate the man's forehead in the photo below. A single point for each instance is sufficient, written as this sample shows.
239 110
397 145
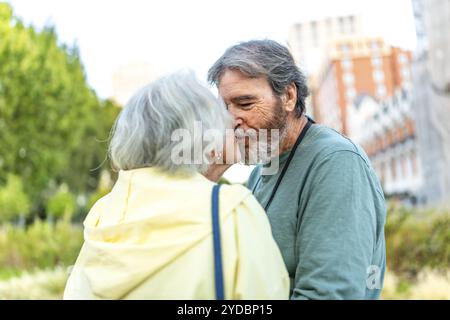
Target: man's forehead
241 87
239 94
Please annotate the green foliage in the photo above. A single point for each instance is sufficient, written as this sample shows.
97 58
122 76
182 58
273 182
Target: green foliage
62 204
40 246
51 123
417 239
39 285
96 196
13 200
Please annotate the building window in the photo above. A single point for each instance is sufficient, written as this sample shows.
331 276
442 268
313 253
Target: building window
393 169
351 94
352 24
406 132
404 94
389 138
383 172
377 62
341 25
403 133
413 163
381 91
410 127
347 64
349 79
402 58
403 165
345 48
375 46
406 74
378 76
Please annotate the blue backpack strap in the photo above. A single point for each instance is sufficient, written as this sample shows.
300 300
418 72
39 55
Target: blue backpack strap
218 271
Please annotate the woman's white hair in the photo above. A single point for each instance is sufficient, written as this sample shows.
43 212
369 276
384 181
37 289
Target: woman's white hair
141 136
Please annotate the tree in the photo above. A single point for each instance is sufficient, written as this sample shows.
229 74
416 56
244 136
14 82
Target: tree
62 204
14 203
52 123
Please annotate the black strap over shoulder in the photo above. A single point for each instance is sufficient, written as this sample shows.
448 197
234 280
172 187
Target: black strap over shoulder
288 161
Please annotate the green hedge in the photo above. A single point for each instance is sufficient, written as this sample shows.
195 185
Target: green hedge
40 246
417 239
62 205
14 202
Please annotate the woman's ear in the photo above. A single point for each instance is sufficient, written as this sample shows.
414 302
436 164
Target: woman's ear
290 97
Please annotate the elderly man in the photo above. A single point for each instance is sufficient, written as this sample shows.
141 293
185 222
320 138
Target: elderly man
325 204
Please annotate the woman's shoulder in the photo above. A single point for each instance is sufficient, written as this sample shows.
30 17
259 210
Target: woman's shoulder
239 198
235 193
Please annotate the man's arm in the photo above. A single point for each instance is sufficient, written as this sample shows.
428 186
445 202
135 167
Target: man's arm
337 230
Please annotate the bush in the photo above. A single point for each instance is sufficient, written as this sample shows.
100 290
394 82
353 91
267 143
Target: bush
100 193
417 239
40 285
14 203
62 204
40 246
429 284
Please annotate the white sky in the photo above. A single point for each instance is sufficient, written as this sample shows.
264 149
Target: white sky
173 34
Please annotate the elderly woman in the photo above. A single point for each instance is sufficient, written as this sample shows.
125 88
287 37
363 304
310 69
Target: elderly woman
152 236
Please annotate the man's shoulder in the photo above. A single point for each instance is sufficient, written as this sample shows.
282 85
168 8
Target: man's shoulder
338 155
325 142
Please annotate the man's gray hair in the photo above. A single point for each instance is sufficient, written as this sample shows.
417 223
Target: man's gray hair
263 58
141 136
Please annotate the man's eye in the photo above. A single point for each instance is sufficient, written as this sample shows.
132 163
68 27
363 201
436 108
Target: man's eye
246 105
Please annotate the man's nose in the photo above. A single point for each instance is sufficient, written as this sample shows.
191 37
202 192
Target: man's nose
238 122
235 112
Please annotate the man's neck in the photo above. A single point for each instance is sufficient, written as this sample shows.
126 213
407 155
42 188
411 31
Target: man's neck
294 128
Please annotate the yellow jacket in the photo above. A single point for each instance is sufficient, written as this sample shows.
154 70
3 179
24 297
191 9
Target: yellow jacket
151 238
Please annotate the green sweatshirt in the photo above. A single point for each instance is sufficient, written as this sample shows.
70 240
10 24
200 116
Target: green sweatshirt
328 218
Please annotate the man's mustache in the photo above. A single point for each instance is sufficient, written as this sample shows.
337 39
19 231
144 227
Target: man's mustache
251 132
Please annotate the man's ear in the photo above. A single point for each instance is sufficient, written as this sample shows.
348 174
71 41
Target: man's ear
290 97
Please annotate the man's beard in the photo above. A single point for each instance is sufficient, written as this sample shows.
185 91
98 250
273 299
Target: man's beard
266 144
